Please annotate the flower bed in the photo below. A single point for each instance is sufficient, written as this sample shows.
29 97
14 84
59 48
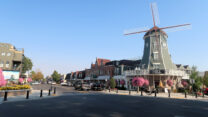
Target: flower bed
15 90
16 87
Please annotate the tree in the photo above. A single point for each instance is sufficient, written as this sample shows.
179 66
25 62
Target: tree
197 80
26 64
205 80
37 76
112 83
56 76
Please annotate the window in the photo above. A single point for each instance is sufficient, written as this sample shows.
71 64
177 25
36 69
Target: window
146 45
101 63
164 44
7 64
155 45
8 54
156 65
3 54
117 63
1 63
155 55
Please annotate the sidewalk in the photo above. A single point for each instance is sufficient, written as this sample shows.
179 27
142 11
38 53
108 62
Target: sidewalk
160 95
35 94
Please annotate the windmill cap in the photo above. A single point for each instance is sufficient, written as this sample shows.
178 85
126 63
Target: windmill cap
153 29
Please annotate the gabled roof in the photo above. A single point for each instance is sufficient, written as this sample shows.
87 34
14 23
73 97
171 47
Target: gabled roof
187 67
179 66
103 61
92 65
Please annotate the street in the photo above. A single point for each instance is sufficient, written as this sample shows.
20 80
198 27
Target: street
59 89
102 105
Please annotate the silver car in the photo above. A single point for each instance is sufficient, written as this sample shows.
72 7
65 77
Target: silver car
86 86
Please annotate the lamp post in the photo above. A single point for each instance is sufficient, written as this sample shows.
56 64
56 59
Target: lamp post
106 83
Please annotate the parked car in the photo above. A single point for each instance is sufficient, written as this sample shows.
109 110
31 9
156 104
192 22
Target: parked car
75 82
98 87
35 83
64 84
69 84
206 91
78 86
53 83
85 86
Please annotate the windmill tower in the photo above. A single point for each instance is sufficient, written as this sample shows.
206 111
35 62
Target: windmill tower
156 60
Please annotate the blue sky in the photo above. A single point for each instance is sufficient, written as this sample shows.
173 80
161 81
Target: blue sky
67 35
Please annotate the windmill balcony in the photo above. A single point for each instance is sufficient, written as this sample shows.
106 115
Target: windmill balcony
151 72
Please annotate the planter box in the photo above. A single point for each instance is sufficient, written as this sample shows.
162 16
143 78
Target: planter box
13 92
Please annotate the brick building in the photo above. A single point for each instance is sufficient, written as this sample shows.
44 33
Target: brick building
99 70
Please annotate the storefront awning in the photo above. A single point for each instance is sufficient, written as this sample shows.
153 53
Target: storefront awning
103 78
87 78
119 77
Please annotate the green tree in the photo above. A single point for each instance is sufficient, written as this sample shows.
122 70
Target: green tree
26 64
198 81
56 76
37 76
112 83
205 80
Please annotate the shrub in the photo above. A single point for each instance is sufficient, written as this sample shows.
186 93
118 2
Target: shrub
138 81
112 83
122 82
184 83
180 90
121 88
170 83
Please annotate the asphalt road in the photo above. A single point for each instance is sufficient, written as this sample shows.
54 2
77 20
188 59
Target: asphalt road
59 89
100 105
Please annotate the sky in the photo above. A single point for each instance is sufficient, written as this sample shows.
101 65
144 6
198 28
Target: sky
68 35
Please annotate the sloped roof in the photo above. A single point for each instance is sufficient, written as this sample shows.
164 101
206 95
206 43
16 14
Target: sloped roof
187 67
103 61
124 62
179 66
153 29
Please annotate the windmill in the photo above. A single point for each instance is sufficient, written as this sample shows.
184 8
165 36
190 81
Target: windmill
156 57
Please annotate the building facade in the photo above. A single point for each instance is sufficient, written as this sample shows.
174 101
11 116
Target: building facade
10 57
11 60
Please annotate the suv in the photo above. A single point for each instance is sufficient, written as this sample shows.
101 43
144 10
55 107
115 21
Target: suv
98 87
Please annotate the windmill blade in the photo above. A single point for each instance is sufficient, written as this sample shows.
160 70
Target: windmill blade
177 28
155 14
135 30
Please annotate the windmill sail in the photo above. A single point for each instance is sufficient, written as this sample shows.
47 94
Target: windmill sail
177 28
136 30
155 13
